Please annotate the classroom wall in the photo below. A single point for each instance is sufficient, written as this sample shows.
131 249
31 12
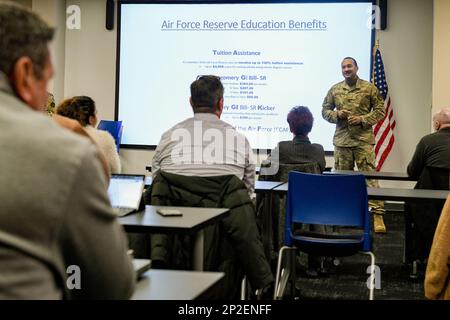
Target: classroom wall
406 46
441 54
407 51
91 58
53 12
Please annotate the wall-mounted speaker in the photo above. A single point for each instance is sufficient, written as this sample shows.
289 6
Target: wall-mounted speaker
109 14
383 14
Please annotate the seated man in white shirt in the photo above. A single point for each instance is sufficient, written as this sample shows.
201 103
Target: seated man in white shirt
204 145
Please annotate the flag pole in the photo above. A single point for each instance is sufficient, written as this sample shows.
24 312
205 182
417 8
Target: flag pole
376 47
374 50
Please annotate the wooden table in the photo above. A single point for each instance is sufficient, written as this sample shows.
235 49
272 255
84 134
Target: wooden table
266 186
395 194
175 284
378 175
192 221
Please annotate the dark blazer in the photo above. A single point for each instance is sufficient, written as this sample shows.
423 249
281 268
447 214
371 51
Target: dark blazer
430 165
299 150
433 150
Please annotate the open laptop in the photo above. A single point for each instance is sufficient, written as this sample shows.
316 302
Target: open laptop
125 193
141 266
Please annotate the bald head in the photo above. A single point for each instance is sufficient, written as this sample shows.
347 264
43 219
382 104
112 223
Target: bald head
441 119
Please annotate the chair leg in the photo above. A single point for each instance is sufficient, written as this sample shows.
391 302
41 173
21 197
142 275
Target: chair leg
293 276
277 274
244 289
282 275
285 273
414 273
372 273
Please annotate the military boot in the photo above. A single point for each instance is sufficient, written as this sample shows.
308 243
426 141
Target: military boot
378 224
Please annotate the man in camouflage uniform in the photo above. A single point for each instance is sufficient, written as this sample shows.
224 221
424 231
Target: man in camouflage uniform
355 105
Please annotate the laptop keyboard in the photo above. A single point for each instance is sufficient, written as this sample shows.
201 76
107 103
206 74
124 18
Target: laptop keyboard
123 211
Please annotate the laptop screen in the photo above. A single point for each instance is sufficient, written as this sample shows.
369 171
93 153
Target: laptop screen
125 191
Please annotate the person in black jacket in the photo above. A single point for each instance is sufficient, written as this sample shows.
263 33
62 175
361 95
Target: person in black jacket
430 165
299 154
299 149
433 150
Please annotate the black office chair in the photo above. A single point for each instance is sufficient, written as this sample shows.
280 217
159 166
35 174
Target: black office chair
115 128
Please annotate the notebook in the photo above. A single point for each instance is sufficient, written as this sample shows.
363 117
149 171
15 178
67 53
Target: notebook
125 193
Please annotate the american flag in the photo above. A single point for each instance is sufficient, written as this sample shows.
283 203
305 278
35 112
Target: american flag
384 129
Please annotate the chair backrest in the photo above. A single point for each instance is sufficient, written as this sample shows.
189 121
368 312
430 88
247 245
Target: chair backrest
339 200
114 128
285 168
421 227
271 207
434 178
231 245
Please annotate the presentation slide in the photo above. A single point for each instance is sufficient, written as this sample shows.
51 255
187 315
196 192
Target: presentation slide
270 57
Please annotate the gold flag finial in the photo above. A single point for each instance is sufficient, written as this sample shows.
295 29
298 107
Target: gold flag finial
375 47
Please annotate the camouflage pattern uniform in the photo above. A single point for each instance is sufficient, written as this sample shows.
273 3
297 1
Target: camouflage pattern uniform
354 143
50 106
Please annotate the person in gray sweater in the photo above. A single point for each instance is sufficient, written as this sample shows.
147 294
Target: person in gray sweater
58 235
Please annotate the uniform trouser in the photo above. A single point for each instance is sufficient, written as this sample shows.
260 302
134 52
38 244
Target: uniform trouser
364 157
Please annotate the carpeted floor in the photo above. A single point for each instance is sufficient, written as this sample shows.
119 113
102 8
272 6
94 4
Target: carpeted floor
348 280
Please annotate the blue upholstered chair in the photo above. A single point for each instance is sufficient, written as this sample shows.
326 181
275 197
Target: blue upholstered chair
114 128
337 200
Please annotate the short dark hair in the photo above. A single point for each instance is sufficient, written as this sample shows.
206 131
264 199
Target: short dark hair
206 92
79 108
300 120
353 59
22 34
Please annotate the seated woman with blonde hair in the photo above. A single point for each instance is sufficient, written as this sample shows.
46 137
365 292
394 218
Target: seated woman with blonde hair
82 109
